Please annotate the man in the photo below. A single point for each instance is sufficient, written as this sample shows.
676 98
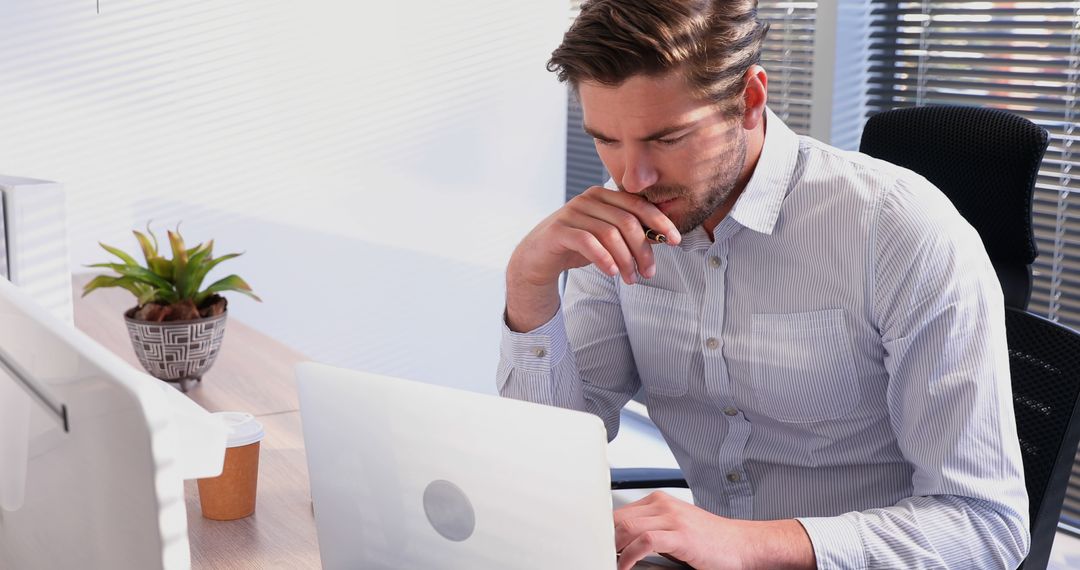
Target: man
821 338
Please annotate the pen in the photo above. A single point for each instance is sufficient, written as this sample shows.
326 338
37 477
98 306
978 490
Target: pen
654 235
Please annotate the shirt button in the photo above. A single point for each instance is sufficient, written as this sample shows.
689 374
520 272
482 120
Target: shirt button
539 352
734 477
730 411
714 262
712 343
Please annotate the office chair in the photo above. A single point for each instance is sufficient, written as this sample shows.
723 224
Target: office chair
1044 362
986 161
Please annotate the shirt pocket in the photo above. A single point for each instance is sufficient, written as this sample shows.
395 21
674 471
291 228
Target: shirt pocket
661 326
803 368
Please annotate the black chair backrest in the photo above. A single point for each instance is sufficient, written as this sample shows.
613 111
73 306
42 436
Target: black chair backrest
986 161
1044 358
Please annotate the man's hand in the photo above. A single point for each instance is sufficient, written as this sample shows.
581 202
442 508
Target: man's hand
600 227
665 525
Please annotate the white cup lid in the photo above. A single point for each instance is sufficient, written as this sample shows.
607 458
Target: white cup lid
243 428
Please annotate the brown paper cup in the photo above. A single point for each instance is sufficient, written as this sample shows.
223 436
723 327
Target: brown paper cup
231 495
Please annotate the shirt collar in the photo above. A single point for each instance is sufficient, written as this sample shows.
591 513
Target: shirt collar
758 207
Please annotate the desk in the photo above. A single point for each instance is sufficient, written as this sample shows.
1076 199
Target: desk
253 373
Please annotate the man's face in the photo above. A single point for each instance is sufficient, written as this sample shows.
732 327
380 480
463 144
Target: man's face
659 141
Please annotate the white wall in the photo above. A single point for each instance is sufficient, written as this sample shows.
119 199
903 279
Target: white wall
377 161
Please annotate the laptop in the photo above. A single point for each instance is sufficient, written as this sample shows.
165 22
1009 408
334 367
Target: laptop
412 475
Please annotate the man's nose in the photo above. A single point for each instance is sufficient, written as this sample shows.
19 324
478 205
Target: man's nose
639 172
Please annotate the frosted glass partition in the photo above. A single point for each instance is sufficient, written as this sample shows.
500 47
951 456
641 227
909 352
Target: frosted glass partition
378 161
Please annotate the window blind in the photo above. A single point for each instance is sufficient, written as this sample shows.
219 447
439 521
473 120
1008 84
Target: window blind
1020 56
786 56
583 166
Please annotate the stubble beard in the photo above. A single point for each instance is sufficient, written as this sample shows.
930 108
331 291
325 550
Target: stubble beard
720 186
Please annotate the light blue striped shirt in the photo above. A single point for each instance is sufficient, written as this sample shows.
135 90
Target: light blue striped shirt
836 355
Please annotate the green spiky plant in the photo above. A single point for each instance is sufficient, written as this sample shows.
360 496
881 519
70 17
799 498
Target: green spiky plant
170 289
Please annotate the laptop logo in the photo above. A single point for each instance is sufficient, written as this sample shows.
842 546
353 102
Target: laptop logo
449 510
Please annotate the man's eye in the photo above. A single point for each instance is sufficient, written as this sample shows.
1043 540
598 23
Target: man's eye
669 142
602 142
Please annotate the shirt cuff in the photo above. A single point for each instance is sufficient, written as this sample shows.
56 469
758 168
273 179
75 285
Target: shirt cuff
836 540
538 350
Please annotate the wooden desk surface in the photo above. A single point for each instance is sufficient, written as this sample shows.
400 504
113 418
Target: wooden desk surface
253 373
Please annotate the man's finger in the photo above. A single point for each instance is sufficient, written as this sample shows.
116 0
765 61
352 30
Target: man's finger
653 497
659 541
586 245
633 232
652 504
616 224
626 244
644 210
629 529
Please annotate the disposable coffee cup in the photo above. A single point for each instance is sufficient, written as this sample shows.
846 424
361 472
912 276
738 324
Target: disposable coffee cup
231 495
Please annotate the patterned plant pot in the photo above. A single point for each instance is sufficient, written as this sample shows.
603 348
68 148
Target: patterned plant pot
177 351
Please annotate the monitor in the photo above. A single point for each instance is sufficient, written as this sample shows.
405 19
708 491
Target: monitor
93 452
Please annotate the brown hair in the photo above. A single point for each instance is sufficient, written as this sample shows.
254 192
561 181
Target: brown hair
713 42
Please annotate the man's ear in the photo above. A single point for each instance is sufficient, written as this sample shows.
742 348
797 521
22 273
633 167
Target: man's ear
755 95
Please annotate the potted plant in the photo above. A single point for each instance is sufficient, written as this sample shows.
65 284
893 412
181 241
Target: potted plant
177 326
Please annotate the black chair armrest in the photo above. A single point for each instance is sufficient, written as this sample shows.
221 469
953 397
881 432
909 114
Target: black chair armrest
644 478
